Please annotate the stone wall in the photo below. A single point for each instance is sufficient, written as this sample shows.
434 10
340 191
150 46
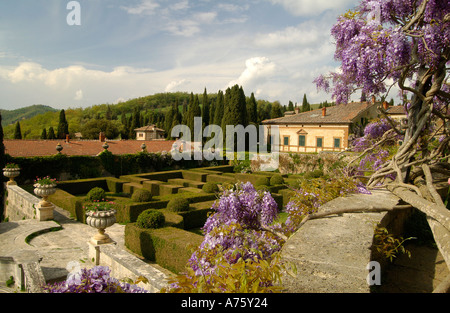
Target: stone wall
332 254
20 204
124 265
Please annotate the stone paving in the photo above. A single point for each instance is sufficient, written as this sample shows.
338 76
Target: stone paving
58 242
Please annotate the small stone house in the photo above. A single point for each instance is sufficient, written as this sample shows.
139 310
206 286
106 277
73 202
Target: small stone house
150 132
326 129
397 112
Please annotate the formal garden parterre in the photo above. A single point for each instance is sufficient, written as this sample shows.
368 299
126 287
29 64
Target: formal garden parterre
171 244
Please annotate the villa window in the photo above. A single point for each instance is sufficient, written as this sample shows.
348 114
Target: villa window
301 140
319 142
337 142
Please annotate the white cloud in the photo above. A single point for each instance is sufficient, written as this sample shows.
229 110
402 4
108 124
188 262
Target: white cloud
257 70
303 35
145 7
174 84
190 27
228 7
312 7
182 5
205 17
79 95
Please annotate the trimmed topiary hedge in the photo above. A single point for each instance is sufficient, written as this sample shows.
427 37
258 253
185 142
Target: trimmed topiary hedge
262 181
210 187
178 205
96 194
167 246
70 203
141 195
150 219
276 179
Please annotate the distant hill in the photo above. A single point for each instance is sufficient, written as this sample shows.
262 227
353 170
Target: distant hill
12 116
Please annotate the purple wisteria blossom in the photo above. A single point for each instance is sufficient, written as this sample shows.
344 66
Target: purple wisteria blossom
95 280
235 229
380 41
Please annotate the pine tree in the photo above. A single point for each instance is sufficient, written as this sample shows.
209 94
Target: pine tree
63 126
17 131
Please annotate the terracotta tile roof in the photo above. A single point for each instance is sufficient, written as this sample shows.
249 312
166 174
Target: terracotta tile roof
339 114
149 128
29 148
398 109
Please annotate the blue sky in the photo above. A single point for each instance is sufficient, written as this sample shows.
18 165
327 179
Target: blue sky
128 49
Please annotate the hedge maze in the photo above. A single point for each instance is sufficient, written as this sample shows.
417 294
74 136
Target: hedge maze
170 245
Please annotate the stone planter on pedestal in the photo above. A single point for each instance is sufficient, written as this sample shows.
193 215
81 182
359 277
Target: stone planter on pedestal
11 173
101 220
45 208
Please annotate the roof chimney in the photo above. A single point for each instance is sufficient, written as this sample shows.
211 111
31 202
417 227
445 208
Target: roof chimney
102 137
324 111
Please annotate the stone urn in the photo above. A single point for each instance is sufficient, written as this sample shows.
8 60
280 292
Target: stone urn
44 208
101 220
44 191
11 173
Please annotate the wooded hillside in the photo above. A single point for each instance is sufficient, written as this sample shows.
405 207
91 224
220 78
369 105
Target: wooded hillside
163 109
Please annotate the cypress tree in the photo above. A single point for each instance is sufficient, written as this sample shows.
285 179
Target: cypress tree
175 121
108 114
51 133
2 165
196 112
242 107
205 109
276 110
63 126
17 131
135 123
44 134
212 111
189 113
305 105
235 112
218 112
169 119
252 113
290 106
184 113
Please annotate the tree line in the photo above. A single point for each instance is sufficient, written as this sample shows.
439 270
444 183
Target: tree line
119 121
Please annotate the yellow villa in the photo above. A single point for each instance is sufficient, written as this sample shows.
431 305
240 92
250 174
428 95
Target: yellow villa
326 129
